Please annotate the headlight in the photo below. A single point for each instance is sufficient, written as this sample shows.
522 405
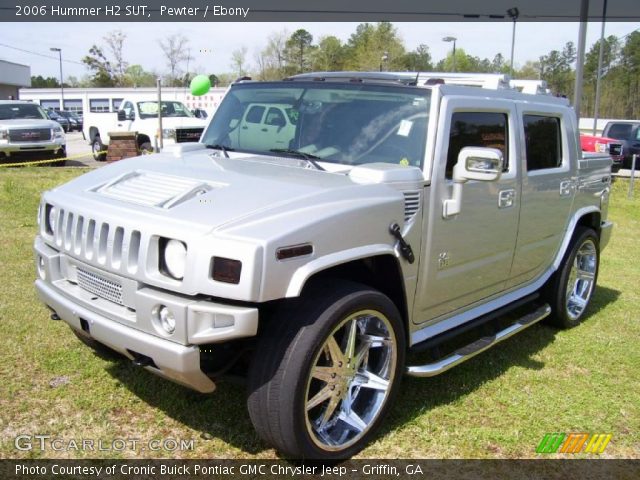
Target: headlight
173 258
50 218
168 133
226 270
58 132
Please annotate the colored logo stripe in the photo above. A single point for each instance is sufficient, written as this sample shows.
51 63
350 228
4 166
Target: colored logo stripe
573 443
598 443
550 443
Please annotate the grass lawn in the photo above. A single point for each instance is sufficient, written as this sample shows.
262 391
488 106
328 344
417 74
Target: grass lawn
498 405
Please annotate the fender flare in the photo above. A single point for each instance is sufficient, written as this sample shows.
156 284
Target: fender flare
571 227
305 272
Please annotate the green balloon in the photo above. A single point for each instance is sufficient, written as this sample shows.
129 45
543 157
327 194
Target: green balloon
200 85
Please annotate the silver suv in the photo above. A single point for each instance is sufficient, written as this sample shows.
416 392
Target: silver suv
324 227
27 133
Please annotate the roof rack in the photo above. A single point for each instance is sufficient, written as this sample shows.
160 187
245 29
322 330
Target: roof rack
492 81
532 87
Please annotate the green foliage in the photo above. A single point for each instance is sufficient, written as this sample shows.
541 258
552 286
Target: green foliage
41 82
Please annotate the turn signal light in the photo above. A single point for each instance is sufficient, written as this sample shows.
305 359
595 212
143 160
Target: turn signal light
226 270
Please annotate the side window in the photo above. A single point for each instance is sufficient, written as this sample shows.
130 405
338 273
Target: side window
477 129
275 118
127 107
543 142
255 114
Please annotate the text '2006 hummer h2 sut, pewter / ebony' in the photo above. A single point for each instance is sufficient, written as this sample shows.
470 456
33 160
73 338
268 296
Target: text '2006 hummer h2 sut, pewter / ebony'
323 227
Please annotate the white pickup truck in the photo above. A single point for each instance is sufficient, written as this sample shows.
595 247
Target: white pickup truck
179 125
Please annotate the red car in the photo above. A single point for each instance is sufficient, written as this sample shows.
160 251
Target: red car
591 143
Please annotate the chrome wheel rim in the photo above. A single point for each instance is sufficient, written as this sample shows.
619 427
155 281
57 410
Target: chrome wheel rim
581 279
350 380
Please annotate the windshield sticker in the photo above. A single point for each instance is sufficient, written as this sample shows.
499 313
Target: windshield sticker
405 128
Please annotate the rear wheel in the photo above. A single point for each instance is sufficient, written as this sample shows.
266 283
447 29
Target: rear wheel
326 372
571 288
98 149
146 148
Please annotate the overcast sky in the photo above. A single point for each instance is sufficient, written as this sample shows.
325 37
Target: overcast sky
212 43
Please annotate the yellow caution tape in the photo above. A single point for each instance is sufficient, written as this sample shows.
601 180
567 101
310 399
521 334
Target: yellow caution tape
52 160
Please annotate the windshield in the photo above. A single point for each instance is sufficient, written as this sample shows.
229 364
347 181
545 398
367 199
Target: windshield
350 124
13 111
169 109
620 131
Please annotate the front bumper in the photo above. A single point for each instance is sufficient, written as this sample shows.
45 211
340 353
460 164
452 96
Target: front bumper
131 330
53 146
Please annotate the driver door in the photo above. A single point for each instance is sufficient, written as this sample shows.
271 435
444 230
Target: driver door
467 257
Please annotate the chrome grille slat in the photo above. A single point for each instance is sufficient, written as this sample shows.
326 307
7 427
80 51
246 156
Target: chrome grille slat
100 286
116 247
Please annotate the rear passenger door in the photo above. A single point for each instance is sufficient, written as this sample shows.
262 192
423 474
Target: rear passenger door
548 188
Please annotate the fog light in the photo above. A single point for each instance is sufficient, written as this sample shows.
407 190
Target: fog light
42 273
164 318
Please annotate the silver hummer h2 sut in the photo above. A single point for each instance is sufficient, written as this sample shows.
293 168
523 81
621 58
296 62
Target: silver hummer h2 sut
323 227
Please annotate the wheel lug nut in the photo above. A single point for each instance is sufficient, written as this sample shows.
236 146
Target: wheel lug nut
333 375
333 387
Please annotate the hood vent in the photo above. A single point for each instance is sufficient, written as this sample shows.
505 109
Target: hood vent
154 189
411 204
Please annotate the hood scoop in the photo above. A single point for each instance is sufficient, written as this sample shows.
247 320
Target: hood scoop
154 189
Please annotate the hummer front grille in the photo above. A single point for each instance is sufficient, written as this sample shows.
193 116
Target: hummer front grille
103 243
100 286
188 134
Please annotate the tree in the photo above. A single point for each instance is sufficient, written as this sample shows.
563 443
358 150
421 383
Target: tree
175 49
103 72
136 76
298 50
329 55
238 59
41 82
374 47
115 42
418 60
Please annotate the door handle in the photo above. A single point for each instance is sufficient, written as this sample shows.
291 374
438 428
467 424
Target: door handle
264 130
566 187
506 198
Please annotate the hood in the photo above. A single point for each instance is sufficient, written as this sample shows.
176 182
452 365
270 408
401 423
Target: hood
28 123
213 193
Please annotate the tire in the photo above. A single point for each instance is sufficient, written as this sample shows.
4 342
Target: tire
98 146
290 407
570 289
100 348
146 148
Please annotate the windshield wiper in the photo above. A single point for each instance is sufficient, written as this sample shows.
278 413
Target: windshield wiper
222 148
305 156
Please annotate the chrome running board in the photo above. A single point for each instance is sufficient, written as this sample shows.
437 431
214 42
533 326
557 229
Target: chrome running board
465 353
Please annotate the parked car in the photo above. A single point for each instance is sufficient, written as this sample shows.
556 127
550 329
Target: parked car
61 119
75 122
26 132
399 215
200 113
178 125
627 133
593 143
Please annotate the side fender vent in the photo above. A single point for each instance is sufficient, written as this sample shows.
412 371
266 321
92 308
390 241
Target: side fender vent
411 204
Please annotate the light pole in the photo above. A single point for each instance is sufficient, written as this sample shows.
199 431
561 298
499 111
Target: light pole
452 39
596 105
59 50
383 59
514 13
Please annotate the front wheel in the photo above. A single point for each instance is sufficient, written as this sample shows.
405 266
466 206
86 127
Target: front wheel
571 288
326 371
98 150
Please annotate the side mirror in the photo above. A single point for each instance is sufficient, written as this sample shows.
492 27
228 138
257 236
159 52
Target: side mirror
478 163
132 115
474 163
234 123
121 116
